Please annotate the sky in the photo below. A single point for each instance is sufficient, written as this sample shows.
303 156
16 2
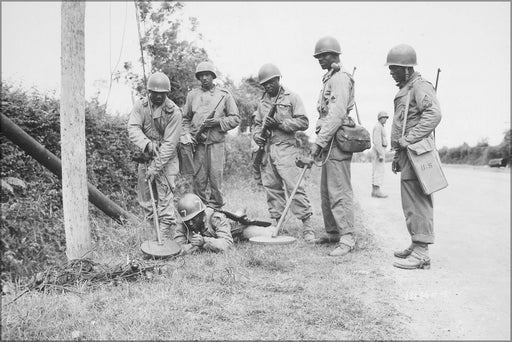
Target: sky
468 41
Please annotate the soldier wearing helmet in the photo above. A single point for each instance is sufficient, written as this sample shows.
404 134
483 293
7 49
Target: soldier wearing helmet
203 228
278 171
209 152
154 127
335 102
378 154
423 116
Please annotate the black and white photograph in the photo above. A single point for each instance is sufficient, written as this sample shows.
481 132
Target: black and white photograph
255 170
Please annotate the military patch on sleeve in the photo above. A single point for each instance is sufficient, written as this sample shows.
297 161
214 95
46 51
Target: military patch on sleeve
427 102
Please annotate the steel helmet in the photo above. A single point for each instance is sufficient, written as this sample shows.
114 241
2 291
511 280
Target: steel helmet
189 206
401 55
267 72
382 115
206 66
159 82
327 44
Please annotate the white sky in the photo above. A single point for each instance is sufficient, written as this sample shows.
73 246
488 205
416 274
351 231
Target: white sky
469 41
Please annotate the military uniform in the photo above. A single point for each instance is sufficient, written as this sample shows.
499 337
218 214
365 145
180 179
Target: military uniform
163 128
279 173
209 155
379 142
335 101
217 236
423 116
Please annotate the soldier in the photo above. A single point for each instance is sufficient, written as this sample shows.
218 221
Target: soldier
279 173
254 151
423 115
378 154
203 228
209 152
334 104
154 126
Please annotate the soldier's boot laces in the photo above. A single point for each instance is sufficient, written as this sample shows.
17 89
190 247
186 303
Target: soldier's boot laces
418 259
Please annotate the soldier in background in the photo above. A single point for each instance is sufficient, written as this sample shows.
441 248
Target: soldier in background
154 127
378 154
423 115
209 154
254 151
334 104
279 173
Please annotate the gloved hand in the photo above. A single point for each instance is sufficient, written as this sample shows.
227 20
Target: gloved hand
395 167
260 141
197 240
150 174
403 142
272 123
315 150
209 123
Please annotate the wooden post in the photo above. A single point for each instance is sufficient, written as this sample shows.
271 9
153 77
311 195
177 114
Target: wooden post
72 130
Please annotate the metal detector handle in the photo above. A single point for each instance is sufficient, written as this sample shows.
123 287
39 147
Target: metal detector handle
290 199
155 213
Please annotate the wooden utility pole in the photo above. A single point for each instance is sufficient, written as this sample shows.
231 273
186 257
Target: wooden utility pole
72 130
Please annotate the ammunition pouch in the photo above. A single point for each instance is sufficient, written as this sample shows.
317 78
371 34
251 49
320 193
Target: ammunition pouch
352 138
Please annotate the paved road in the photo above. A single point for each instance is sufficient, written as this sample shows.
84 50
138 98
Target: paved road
466 294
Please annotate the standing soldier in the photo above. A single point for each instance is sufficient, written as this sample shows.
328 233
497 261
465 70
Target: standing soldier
378 154
279 173
213 110
334 104
423 115
254 151
155 127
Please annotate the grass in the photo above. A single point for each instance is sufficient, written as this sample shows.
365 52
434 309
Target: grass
252 292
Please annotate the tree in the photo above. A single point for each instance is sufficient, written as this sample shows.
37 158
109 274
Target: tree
176 58
247 96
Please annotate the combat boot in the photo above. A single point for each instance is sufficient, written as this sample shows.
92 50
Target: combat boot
418 259
377 193
402 254
308 232
345 246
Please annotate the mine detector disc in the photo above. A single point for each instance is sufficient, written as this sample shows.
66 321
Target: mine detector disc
165 248
268 240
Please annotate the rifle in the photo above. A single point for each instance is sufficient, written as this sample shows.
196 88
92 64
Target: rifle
243 219
265 132
202 128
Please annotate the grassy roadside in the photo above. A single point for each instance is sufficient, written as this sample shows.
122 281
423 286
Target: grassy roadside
251 292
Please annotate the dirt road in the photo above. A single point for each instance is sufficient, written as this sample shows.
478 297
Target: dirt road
466 294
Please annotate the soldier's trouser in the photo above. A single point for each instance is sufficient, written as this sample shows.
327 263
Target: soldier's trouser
279 174
378 168
162 192
336 195
255 168
418 208
209 164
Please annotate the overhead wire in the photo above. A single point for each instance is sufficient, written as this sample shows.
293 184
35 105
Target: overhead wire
110 47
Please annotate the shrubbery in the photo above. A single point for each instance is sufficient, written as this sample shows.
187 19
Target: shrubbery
477 155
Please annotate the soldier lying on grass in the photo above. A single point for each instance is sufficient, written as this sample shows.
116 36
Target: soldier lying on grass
204 228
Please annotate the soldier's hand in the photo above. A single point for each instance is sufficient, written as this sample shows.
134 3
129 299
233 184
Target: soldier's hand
197 240
395 166
315 150
150 174
208 123
151 148
403 142
272 123
260 141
